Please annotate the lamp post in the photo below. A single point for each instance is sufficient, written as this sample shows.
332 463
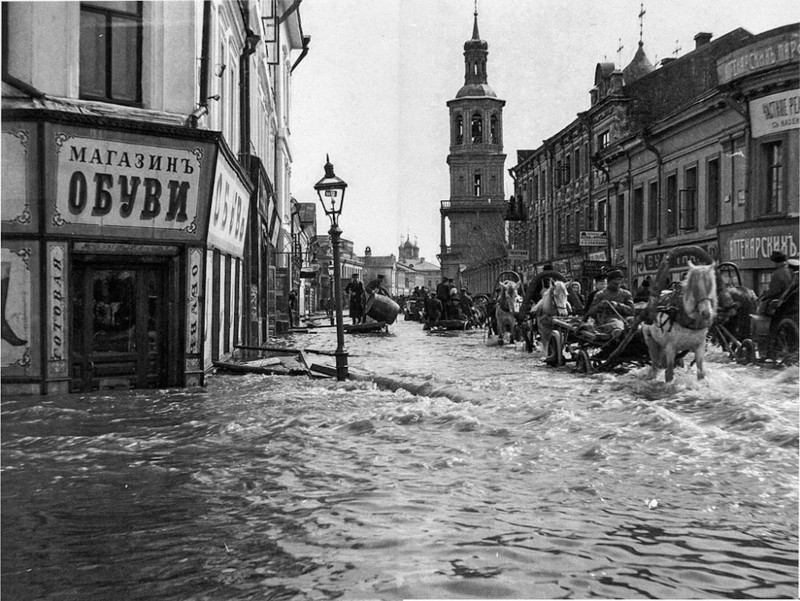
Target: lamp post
330 190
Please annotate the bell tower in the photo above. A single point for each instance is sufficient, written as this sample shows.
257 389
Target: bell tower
473 216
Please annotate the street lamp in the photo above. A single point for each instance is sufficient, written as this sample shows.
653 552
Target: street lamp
330 190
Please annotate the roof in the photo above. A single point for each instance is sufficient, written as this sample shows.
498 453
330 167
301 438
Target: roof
639 66
379 261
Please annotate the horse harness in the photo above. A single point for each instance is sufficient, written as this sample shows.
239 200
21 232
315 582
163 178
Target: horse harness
671 306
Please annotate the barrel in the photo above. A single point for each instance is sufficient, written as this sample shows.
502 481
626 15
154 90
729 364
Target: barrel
382 308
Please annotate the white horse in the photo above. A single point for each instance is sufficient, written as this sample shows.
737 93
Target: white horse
673 332
553 303
504 311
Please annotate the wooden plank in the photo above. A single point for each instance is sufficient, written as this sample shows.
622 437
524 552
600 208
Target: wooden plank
323 369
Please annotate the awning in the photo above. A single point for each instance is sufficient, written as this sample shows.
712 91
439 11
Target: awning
310 271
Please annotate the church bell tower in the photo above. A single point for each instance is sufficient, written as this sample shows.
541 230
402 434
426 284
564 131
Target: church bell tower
474 213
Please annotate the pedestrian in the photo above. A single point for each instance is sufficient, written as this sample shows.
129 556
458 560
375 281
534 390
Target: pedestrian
576 299
779 282
599 284
292 308
355 290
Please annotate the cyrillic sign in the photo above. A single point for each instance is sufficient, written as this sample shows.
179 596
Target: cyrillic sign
593 238
111 183
229 210
774 113
758 243
518 255
757 57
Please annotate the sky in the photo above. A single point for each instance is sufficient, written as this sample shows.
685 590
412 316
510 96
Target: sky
372 91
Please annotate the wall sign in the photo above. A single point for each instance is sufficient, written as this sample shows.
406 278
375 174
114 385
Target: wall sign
775 113
751 246
193 287
113 183
766 54
57 308
230 208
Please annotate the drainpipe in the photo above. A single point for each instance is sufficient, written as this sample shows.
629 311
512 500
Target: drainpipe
648 144
202 108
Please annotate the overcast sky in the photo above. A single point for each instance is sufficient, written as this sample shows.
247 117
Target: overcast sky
373 89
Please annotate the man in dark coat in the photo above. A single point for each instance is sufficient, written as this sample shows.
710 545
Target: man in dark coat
356 291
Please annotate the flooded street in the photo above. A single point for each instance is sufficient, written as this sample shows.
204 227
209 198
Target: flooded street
466 471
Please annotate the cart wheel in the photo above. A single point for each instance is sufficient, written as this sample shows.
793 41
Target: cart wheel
555 350
746 352
786 343
584 362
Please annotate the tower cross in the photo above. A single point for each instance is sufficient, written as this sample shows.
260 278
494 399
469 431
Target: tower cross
642 12
677 48
619 52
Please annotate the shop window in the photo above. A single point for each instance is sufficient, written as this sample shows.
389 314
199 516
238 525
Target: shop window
672 204
477 129
637 225
652 211
713 192
688 200
459 129
773 199
111 51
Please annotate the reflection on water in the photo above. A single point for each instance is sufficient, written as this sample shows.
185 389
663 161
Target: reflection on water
469 472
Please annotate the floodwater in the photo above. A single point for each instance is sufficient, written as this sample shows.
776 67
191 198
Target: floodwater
467 471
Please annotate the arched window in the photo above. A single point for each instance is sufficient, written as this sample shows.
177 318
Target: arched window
477 129
495 129
459 129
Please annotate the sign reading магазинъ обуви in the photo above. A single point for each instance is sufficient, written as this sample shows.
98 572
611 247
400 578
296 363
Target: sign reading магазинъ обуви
111 183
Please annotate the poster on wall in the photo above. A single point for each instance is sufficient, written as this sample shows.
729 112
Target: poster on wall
15 292
16 146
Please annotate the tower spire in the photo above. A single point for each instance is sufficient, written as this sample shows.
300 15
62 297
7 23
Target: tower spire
475 34
642 12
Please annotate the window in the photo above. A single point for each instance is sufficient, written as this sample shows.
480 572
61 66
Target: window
567 228
459 129
495 128
602 140
559 176
712 192
602 216
577 162
567 170
637 225
536 187
672 204
774 193
619 235
652 211
688 200
576 235
587 218
476 187
477 129
111 51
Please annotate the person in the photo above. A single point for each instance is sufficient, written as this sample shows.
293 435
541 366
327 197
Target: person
452 309
611 306
465 302
599 284
779 283
356 299
292 308
376 286
433 309
442 290
576 298
642 294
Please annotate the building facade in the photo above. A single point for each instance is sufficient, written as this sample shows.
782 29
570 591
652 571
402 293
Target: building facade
144 197
696 152
473 216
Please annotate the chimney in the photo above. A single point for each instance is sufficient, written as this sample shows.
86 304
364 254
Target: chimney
701 39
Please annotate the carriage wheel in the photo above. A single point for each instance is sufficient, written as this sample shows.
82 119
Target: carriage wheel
746 353
786 344
555 350
584 362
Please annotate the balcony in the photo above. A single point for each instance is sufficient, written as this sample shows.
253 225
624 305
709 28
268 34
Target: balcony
485 205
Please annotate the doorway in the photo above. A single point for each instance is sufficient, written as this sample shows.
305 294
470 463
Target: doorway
119 326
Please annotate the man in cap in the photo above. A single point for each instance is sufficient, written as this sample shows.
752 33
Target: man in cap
612 305
356 291
780 281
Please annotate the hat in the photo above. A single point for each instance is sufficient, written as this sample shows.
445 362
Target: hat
777 256
355 275
614 273
380 276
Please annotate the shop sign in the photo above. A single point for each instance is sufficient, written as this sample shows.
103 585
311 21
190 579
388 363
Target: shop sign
114 183
600 255
652 260
593 268
769 53
517 255
193 288
57 302
775 113
593 238
229 210
756 244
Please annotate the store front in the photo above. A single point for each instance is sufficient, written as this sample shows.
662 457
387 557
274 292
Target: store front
121 258
750 248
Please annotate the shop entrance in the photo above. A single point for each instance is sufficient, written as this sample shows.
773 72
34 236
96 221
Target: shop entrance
119 326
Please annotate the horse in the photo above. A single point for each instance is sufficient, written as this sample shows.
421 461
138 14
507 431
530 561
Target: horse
682 324
554 302
505 310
